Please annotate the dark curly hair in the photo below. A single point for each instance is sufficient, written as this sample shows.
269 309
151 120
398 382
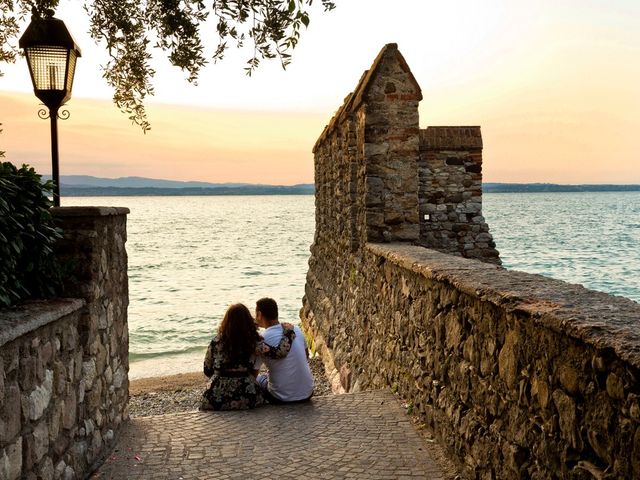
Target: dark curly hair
238 334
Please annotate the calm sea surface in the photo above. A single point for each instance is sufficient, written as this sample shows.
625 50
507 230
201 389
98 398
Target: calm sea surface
190 257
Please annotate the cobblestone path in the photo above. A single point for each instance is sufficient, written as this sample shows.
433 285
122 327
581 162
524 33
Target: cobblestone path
364 435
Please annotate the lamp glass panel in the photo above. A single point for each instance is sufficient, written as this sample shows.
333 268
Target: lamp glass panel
73 56
48 67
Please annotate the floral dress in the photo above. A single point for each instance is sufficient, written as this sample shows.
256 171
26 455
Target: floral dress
233 385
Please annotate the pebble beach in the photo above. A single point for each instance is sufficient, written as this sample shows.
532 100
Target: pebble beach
181 392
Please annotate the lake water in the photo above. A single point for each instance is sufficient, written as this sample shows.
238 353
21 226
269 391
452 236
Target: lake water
190 257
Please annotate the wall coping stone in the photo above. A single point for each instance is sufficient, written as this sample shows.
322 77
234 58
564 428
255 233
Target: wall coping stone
447 137
34 314
88 211
598 319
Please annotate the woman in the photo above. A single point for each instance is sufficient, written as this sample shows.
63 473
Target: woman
230 361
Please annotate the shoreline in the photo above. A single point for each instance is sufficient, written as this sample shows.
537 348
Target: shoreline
167 383
167 366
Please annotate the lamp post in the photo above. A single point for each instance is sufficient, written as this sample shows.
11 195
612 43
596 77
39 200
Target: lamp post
51 55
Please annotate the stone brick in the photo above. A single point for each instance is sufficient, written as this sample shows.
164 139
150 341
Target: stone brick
59 377
40 441
508 359
11 414
39 399
615 387
45 471
1 377
11 461
69 410
11 357
55 419
89 373
46 353
94 398
122 375
27 374
69 473
59 470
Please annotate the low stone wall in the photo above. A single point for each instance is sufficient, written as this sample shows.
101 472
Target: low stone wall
64 363
519 375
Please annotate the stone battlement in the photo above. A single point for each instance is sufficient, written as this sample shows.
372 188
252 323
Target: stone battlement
379 177
450 138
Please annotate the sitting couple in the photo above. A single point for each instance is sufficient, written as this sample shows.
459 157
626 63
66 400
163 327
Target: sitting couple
237 352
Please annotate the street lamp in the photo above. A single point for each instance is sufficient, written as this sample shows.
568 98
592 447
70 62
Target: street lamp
51 55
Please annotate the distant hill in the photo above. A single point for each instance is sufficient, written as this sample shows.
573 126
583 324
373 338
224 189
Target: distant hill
86 181
86 185
83 191
552 187
89 186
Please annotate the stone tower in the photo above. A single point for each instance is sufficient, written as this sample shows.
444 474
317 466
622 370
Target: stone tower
379 178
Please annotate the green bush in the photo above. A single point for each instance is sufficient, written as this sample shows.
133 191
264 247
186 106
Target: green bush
28 268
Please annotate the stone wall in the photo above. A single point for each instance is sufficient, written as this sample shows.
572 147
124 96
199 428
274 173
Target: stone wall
64 363
380 178
366 159
450 192
519 375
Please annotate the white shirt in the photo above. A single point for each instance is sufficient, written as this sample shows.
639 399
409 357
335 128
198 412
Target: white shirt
290 378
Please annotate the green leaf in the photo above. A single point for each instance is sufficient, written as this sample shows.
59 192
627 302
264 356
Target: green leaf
28 267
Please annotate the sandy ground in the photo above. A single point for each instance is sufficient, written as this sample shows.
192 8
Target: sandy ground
169 383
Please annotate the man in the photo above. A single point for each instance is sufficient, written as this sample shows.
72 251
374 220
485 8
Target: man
289 378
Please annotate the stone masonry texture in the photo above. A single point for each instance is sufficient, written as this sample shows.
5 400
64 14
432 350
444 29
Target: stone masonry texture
359 436
520 376
379 177
450 193
64 362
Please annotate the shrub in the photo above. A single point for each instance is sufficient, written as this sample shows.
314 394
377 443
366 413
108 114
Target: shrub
28 268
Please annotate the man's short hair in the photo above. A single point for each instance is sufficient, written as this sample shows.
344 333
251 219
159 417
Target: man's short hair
268 307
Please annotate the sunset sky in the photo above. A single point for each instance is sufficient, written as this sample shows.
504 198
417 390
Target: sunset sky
554 84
